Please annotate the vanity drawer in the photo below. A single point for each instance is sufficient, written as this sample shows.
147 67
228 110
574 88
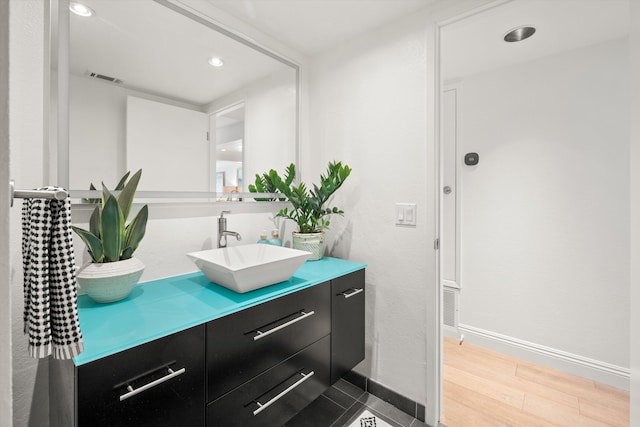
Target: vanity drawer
244 344
282 391
166 377
347 323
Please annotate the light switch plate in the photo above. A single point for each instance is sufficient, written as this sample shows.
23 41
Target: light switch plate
406 214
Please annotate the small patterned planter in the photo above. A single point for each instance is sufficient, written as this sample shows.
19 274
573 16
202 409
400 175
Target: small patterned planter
110 281
310 242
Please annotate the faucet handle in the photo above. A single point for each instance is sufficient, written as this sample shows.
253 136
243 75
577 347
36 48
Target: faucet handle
224 212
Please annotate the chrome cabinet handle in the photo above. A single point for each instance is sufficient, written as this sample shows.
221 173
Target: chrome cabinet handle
261 334
356 291
262 407
170 374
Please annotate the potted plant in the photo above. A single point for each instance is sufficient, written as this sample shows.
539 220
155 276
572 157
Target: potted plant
310 212
264 184
113 271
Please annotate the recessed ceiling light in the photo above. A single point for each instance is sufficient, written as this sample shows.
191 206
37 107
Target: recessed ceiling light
216 62
80 9
519 34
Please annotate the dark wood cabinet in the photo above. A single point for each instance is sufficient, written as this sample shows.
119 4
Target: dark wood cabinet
156 384
244 344
347 323
255 367
275 396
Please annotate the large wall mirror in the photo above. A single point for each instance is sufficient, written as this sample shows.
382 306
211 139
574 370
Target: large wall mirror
154 84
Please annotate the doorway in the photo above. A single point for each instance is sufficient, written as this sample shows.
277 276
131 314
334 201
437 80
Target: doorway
535 224
228 136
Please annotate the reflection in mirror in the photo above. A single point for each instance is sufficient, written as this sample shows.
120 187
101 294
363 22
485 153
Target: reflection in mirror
229 137
143 93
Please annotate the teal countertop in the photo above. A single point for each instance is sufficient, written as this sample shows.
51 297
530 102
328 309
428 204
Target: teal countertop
161 307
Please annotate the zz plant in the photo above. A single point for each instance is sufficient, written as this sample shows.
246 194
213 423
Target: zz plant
309 211
110 238
264 183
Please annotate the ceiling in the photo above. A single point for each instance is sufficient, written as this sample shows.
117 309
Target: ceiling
153 49
475 44
471 45
313 26
159 51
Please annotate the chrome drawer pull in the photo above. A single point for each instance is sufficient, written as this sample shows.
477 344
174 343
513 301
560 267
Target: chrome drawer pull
287 390
261 334
171 374
356 291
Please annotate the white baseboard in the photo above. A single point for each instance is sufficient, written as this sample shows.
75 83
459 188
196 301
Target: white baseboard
585 367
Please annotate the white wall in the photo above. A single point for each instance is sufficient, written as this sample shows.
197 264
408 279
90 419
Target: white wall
372 105
97 113
270 112
365 92
170 145
97 131
172 231
270 107
26 74
368 106
634 158
545 214
6 410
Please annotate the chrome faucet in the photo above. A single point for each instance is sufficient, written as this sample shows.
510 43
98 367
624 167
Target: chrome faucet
223 232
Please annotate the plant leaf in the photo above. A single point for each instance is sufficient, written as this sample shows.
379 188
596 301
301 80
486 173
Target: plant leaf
93 243
94 222
290 174
135 232
123 180
105 194
125 198
258 188
112 226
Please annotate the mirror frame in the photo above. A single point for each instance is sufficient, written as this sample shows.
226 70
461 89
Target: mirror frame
56 162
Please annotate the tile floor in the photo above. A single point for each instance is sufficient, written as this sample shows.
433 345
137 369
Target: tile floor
342 403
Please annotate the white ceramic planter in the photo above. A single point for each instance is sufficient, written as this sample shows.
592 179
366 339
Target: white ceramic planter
310 242
110 281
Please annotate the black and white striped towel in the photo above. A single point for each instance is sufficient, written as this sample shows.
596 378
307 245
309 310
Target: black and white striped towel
50 288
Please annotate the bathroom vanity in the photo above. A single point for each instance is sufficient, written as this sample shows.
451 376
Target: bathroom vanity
184 351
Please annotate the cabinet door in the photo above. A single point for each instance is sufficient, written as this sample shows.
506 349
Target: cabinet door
244 344
347 323
275 396
160 383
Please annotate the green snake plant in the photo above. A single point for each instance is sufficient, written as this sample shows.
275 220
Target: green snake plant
119 187
309 211
110 238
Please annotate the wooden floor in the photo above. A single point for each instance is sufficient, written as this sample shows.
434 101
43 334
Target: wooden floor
485 388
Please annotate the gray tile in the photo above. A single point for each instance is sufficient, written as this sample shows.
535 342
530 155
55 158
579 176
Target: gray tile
386 409
420 412
417 423
382 416
349 388
340 397
401 402
356 379
349 415
320 412
352 414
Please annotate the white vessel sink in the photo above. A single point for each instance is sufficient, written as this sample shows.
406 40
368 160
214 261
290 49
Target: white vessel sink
248 267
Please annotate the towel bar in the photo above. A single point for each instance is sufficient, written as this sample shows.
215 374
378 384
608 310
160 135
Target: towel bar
35 194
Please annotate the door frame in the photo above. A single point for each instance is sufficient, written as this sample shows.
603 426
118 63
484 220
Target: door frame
435 408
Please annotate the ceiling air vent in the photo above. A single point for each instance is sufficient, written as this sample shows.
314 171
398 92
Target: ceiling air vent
103 77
